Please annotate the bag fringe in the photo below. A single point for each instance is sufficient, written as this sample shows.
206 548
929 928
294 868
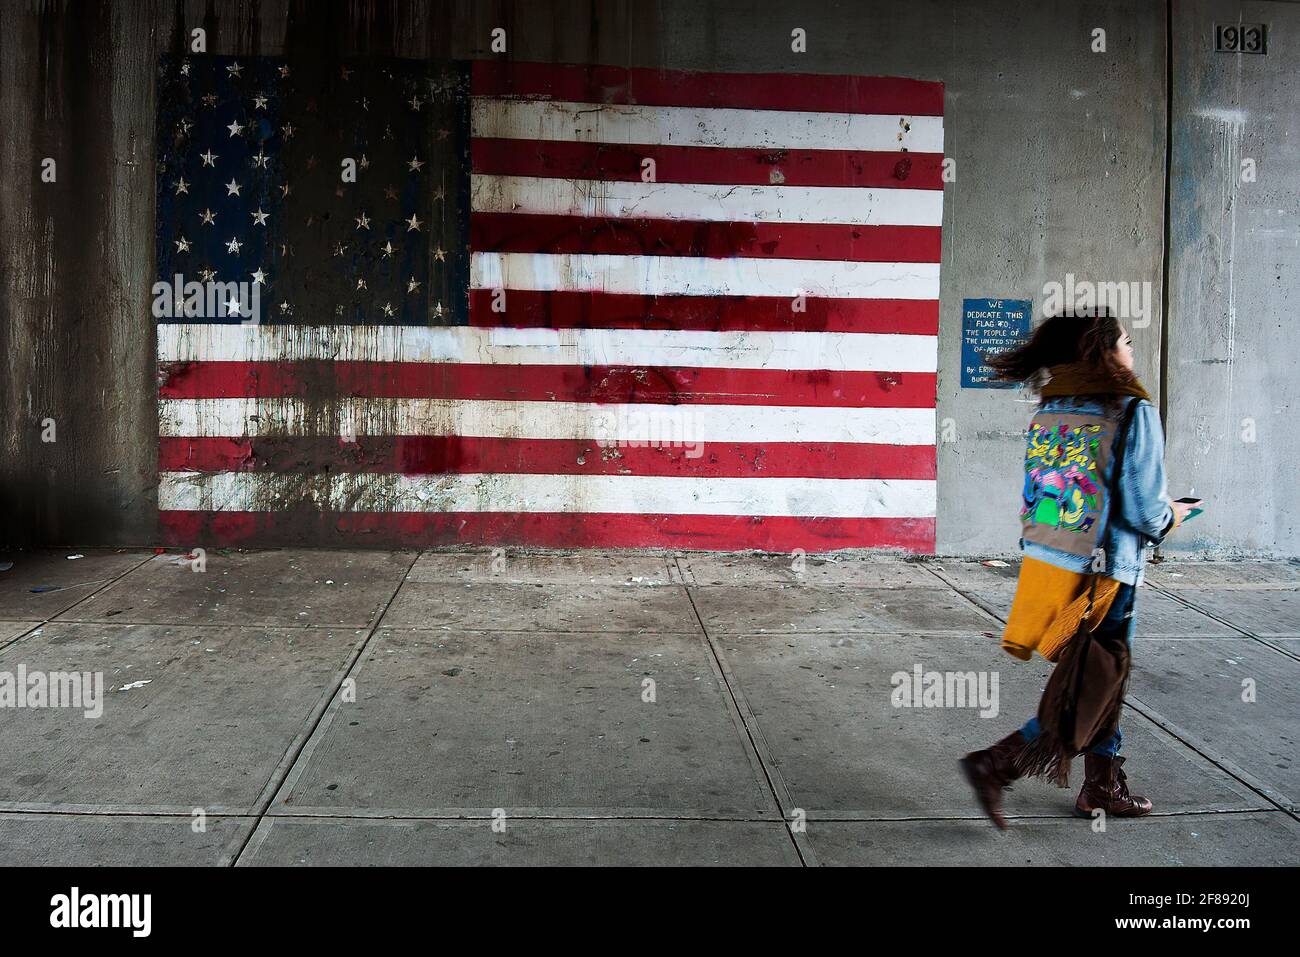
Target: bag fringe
1045 757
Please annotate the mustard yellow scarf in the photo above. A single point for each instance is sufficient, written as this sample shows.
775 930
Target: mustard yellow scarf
1048 608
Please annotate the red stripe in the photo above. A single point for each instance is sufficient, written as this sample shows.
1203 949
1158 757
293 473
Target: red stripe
564 530
315 378
755 91
520 233
436 455
707 164
600 310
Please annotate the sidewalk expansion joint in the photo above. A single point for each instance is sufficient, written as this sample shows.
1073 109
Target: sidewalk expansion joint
755 736
1188 603
107 583
282 770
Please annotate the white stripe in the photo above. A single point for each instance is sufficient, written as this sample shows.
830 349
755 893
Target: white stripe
636 494
682 275
829 351
695 201
703 126
669 425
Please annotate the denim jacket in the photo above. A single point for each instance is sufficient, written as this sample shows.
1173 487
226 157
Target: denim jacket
1145 515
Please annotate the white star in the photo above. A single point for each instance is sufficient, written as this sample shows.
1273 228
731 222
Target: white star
415 103
338 249
232 306
232 188
363 162
261 159
284 71
387 247
234 69
363 221
233 245
287 131
182 245
209 158
186 126
439 254
208 217
285 307
259 277
388 308
259 217
437 310
284 189
235 128
182 186
412 284
259 102
415 164
185 68
361 284
413 223
208 274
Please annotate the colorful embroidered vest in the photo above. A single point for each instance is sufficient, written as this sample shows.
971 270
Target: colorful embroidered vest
1067 496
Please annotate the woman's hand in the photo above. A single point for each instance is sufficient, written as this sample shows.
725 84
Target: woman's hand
1180 512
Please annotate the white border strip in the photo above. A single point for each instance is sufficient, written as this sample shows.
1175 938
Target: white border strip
634 494
828 351
849 205
483 418
501 117
684 275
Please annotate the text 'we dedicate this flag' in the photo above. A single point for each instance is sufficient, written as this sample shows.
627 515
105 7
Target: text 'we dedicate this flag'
554 305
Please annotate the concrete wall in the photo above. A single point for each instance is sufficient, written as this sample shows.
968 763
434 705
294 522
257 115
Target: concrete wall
1060 157
1234 280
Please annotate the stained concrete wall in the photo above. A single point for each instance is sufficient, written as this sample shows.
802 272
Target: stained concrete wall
1060 169
1234 279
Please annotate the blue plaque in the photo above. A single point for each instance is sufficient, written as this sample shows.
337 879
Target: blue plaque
990 326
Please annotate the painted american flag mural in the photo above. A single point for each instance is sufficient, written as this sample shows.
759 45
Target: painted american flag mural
560 305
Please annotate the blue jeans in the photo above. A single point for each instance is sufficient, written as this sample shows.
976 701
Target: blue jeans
1119 620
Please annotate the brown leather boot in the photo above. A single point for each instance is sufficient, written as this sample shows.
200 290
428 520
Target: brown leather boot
990 771
1105 786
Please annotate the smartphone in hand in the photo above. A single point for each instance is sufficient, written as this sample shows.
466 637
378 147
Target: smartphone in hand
1194 510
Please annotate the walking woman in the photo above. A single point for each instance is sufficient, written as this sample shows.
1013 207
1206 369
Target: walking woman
1094 497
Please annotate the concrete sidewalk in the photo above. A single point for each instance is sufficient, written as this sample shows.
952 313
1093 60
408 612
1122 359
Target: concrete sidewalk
327 707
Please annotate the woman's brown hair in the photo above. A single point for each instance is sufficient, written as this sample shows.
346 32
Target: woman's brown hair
1060 340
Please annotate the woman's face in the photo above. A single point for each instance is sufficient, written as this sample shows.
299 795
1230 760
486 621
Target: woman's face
1124 350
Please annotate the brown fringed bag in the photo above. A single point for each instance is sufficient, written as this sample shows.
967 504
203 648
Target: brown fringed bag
1081 704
